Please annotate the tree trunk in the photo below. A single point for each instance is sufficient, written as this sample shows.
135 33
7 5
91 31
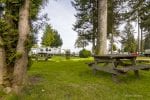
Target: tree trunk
94 25
141 40
138 34
102 28
20 68
3 69
93 44
112 41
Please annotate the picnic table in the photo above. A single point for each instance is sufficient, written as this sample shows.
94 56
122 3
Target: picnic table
117 64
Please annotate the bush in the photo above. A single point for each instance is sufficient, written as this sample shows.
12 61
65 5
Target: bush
67 54
84 53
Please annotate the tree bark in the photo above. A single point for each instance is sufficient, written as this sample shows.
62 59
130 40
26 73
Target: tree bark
94 2
112 41
138 33
141 40
101 48
3 67
20 68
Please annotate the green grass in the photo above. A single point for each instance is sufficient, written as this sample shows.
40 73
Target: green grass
143 58
60 79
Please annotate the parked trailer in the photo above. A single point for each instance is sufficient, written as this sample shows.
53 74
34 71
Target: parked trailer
45 50
147 53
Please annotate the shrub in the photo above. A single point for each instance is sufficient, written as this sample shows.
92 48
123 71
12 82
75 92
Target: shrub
67 54
84 53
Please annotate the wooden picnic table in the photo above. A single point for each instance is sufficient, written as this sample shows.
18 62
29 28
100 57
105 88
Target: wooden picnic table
117 64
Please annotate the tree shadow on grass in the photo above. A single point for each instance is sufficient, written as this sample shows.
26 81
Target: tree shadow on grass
107 77
89 75
130 77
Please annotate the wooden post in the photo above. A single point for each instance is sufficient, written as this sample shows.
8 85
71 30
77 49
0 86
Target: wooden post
136 72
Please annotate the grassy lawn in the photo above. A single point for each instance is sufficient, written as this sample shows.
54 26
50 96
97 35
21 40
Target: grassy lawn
60 79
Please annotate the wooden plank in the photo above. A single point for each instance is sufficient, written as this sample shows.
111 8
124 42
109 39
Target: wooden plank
115 57
144 60
104 61
90 63
134 68
105 69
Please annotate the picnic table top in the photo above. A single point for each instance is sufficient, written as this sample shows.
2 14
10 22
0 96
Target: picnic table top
115 56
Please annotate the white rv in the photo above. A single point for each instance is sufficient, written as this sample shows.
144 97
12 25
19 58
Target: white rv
45 50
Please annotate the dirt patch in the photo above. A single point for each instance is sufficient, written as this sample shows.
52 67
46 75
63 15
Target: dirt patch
35 79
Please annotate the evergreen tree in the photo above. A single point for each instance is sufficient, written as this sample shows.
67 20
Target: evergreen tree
48 36
87 19
51 37
81 42
57 40
138 11
128 40
86 23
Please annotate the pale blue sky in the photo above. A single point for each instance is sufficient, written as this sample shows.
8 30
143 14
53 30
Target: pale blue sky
61 14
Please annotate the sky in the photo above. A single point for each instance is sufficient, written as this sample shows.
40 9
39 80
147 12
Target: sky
61 14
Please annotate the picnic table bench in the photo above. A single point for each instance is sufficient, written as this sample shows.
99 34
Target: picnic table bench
117 64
